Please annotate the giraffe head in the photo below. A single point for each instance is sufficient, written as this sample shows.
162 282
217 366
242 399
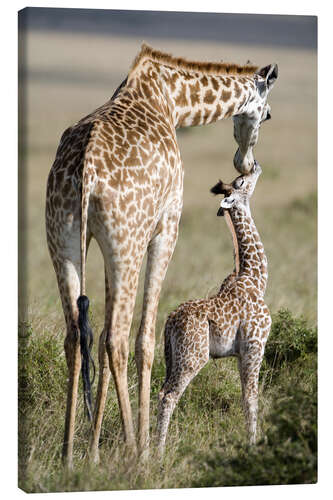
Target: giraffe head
239 192
247 123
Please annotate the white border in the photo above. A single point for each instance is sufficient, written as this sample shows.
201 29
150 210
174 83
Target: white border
9 235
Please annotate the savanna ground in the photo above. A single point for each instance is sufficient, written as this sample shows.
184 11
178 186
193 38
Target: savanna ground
67 77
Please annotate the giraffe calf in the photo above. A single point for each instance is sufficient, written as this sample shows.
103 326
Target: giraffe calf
235 322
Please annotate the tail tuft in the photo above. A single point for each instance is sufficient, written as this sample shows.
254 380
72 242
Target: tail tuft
86 340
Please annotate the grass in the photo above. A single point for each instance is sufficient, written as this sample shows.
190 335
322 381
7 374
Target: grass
206 445
207 437
287 450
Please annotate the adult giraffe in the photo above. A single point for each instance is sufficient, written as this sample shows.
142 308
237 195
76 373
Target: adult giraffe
118 177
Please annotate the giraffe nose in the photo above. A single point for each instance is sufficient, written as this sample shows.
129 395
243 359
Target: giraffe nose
256 168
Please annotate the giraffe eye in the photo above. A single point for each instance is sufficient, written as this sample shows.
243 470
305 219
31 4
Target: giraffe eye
239 183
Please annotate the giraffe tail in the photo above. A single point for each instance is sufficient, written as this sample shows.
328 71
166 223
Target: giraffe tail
167 350
86 335
86 340
168 360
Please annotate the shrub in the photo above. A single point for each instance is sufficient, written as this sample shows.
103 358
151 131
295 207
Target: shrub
290 338
286 455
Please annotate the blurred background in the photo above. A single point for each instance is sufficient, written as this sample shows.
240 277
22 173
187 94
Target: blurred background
70 62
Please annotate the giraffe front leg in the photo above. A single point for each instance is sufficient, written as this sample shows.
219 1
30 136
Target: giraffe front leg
160 251
249 366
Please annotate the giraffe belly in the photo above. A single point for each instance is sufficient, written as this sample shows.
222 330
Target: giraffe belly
223 344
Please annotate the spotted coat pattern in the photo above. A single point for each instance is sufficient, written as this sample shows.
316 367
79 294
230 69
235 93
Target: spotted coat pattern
235 322
118 177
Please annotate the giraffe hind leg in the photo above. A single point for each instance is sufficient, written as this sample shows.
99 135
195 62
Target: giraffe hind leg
159 250
171 393
117 349
182 367
64 249
69 288
103 381
122 274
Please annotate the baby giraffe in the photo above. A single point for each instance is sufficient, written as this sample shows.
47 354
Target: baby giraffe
235 322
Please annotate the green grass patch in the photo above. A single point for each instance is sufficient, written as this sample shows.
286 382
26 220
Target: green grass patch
286 454
207 442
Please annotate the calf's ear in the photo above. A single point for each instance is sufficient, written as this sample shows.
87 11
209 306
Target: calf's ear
269 74
221 188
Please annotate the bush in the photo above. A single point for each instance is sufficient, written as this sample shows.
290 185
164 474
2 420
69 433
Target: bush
290 338
286 455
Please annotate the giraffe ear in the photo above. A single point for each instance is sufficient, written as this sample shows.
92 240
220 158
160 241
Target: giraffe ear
227 202
269 74
221 188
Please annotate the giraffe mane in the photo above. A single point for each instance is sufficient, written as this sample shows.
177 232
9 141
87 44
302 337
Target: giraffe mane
215 68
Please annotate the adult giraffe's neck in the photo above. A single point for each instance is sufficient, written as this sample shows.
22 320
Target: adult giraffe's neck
194 97
252 258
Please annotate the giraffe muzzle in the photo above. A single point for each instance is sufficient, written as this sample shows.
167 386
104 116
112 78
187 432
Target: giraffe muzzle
256 168
244 164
